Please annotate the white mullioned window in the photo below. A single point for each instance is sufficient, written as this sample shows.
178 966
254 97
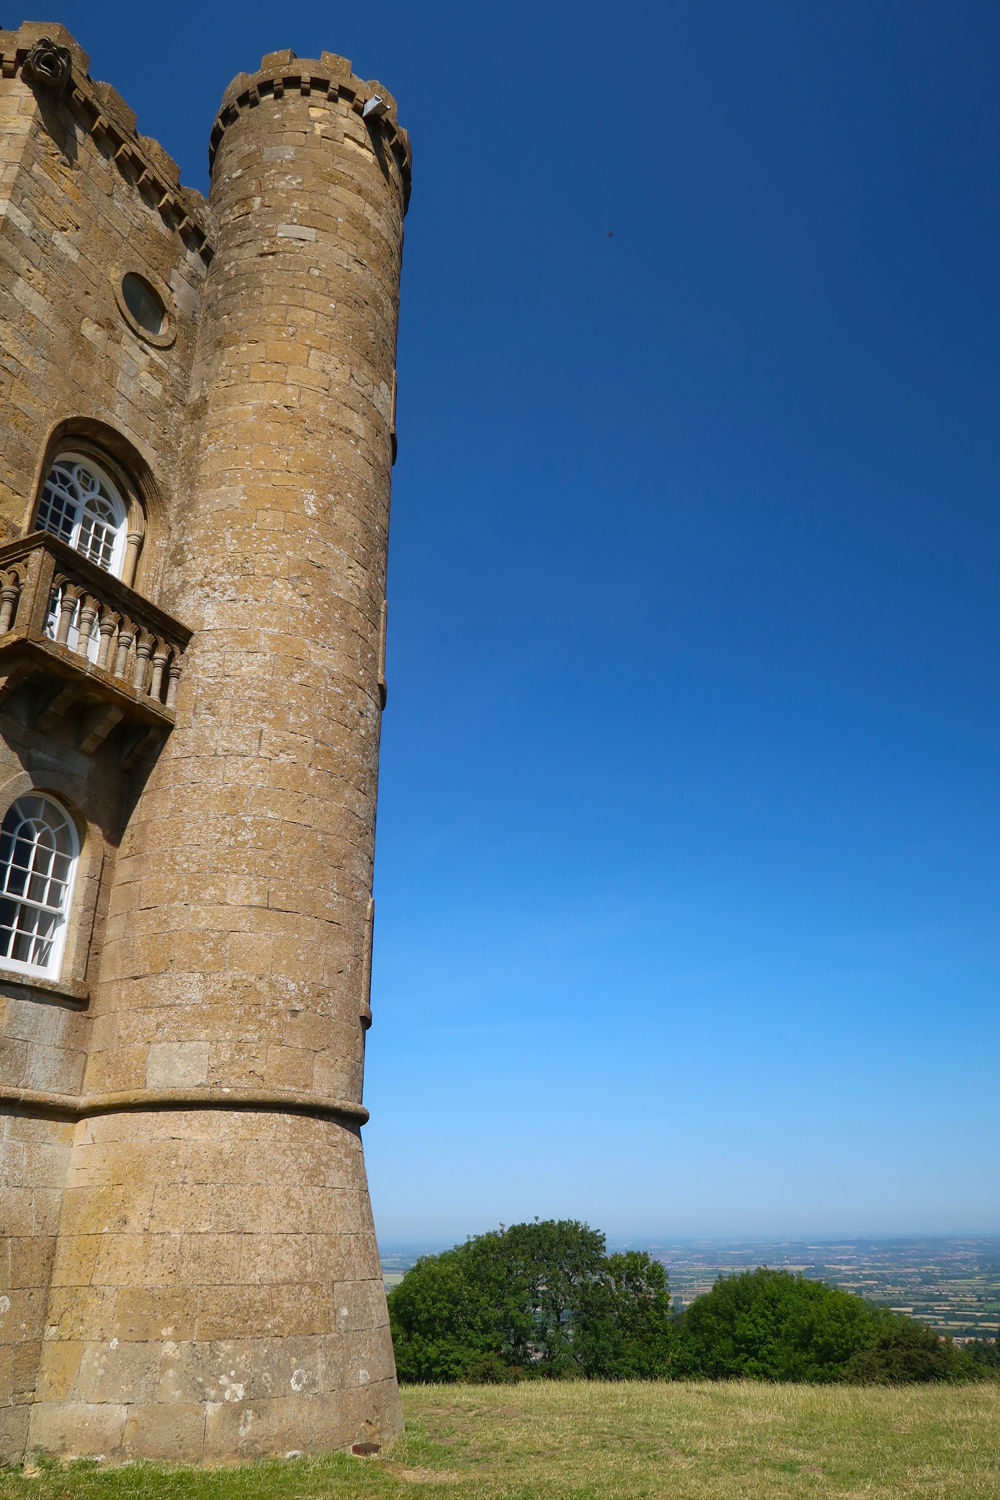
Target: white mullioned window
38 854
80 504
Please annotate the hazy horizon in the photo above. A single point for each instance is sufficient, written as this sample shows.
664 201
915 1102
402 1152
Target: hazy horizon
389 1243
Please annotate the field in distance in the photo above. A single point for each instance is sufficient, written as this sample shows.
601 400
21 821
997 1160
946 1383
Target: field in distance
952 1284
646 1442
397 1260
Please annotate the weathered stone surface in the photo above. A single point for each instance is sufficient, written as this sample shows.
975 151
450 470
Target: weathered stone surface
188 1267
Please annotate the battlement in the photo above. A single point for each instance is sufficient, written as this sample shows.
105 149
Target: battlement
52 62
104 114
329 76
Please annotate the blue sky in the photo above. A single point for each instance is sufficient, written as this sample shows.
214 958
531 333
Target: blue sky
687 865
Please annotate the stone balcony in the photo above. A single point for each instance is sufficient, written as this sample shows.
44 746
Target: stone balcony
86 644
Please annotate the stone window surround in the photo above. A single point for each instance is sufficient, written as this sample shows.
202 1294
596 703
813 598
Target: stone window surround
135 521
122 557
131 475
70 982
51 809
168 332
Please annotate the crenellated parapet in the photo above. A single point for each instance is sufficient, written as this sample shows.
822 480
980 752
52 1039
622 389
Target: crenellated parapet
329 77
52 63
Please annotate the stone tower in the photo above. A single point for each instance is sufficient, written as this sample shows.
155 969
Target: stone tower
198 415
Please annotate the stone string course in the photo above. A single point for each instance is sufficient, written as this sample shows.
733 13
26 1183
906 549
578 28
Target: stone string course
188 1265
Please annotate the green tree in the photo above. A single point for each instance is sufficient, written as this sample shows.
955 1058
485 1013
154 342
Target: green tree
905 1352
543 1299
773 1325
624 1321
984 1356
456 1310
553 1262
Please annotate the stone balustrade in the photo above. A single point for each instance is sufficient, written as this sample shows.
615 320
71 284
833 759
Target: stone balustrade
61 616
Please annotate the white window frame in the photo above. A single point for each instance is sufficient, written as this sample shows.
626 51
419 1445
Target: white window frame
111 495
108 491
50 969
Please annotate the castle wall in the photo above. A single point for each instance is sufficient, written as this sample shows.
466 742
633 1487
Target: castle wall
75 213
215 1285
44 1040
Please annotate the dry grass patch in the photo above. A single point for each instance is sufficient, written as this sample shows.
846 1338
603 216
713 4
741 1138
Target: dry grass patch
740 1439
616 1442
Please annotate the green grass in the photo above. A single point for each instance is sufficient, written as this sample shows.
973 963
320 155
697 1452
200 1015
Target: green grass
625 1442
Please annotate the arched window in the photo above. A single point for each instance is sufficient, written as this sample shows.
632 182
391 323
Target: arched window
81 504
38 854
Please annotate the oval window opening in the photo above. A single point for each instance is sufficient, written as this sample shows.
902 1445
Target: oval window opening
143 303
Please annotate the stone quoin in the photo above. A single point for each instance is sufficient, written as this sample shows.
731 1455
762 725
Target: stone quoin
198 407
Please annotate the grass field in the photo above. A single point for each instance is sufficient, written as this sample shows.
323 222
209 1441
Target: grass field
561 1439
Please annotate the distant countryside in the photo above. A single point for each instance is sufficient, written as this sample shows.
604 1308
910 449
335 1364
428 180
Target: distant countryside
951 1284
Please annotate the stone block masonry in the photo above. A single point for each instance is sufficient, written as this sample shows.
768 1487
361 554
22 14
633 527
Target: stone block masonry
188 1265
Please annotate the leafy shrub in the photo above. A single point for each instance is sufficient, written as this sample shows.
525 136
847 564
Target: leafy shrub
773 1325
904 1353
983 1357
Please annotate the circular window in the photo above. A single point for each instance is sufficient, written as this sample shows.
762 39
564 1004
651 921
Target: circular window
144 302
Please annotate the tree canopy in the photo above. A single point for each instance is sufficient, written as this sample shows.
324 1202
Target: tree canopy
773 1325
541 1299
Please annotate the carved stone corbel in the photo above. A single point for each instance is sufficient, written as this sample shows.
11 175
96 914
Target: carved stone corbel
48 65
